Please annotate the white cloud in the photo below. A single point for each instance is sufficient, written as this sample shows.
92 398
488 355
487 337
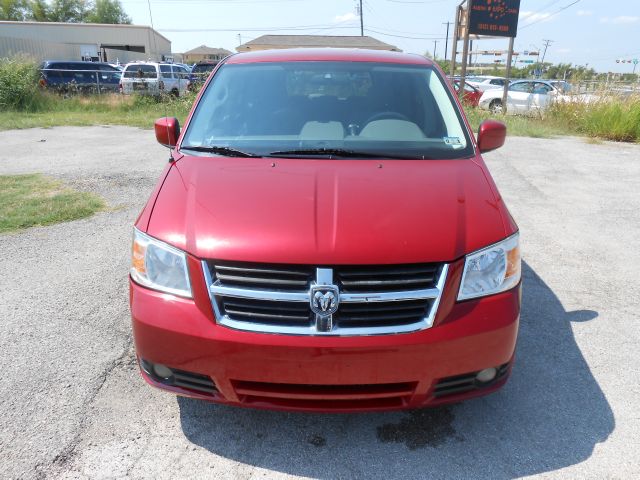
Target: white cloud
529 16
347 17
584 13
620 20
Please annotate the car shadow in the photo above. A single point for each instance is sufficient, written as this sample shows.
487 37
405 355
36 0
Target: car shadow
550 415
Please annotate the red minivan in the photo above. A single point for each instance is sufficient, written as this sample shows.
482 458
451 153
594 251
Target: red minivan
326 237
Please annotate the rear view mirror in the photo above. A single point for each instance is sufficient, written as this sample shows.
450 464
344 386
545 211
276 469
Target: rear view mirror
491 135
167 131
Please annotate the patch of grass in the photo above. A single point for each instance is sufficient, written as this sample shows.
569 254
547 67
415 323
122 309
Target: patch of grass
521 126
106 109
608 118
35 200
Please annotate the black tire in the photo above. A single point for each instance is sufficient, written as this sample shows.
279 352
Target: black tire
495 106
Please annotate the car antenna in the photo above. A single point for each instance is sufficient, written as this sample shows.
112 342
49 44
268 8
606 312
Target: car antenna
155 47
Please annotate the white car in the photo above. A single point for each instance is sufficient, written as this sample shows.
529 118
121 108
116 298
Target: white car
486 82
152 78
523 97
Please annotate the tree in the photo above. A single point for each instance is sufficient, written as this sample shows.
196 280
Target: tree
39 11
15 10
108 11
72 11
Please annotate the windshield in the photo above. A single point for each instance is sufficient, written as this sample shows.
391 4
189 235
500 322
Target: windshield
140 71
391 110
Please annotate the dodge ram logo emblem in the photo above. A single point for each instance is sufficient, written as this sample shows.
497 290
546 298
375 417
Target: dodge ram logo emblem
324 299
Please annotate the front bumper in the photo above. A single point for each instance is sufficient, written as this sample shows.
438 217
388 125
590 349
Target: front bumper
338 374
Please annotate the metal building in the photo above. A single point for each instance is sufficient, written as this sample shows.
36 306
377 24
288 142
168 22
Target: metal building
82 41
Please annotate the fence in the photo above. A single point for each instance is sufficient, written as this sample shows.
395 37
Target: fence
92 81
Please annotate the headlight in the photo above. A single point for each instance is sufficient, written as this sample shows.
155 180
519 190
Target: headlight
491 270
159 266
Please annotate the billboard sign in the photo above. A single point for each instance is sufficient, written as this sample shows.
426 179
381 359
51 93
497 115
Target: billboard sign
497 18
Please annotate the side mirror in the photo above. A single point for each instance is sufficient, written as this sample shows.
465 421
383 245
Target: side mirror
167 131
491 135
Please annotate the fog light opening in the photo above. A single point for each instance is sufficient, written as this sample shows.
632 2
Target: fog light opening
487 375
162 372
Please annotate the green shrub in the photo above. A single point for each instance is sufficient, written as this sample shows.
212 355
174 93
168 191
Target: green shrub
608 117
19 89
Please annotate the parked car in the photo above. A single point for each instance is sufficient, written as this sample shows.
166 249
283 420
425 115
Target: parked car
200 71
327 237
151 78
86 77
471 94
523 97
487 82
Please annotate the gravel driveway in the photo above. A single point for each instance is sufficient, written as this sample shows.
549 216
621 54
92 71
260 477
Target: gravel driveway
74 406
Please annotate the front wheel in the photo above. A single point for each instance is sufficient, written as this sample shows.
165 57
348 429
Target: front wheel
495 106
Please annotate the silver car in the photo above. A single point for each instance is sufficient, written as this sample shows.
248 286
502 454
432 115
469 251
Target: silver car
152 78
523 97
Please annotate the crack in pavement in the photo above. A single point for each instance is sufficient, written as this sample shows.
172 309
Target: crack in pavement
68 452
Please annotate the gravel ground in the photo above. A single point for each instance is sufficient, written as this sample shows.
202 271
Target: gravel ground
74 406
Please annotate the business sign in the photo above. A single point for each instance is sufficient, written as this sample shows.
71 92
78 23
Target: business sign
497 18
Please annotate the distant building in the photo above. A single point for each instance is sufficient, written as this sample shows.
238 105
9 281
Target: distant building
203 53
82 41
268 42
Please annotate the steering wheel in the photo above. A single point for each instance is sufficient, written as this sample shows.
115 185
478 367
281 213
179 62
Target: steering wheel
386 115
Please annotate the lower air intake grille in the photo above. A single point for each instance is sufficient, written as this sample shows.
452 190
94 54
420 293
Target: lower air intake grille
465 383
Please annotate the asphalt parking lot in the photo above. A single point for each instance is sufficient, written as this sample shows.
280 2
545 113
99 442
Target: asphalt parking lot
73 404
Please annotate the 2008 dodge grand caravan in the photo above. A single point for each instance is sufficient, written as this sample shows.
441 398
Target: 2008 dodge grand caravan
326 237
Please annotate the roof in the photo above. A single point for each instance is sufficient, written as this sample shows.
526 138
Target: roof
204 50
293 41
69 24
328 54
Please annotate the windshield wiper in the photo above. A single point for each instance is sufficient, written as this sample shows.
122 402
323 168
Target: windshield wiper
226 151
339 152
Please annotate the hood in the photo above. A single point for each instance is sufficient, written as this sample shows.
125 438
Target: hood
327 211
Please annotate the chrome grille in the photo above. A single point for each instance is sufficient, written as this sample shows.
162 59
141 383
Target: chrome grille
381 299
381 314
276 313
248 275
387 278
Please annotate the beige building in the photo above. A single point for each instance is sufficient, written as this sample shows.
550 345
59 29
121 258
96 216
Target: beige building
204 53
78 41
268 42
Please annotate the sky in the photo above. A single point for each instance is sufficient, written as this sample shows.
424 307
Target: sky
583 32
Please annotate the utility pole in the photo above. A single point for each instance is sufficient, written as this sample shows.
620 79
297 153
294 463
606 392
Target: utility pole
361 20
239 39
435 46
546 45
446 40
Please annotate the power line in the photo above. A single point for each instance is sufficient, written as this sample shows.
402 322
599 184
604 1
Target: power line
369 29
549 16
254 29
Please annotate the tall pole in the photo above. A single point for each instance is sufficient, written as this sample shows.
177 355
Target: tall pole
361 21
508 75
546 45
465 46
435 46
454 43
446 40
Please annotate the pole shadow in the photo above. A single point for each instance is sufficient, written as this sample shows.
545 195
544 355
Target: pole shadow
550 415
